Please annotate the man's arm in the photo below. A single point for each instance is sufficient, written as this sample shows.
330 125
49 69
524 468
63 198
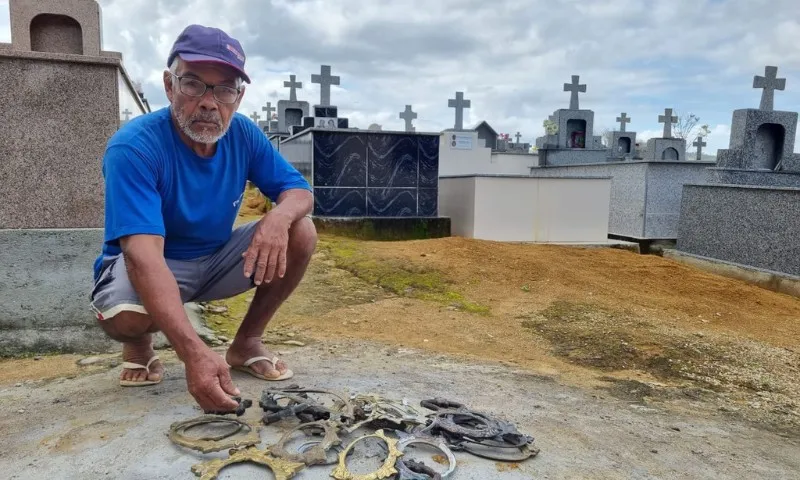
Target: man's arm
157 289
207 375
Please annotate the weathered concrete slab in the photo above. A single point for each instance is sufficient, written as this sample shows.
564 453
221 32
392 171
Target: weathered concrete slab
89 428
45 283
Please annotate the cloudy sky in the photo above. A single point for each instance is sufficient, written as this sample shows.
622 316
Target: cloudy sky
510 57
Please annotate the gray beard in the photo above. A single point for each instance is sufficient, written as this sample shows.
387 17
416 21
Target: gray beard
204 136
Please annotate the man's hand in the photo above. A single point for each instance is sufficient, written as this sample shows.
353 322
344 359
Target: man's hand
267 252
209 382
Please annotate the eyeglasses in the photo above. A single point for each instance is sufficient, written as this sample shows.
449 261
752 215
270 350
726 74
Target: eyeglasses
195 88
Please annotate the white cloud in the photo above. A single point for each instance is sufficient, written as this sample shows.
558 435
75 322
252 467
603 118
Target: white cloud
510 57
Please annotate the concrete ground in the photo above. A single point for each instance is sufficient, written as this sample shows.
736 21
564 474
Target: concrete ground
87 427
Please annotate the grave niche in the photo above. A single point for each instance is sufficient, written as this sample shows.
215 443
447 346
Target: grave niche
294 116
670 154
56 34
624 145
769 146
576 133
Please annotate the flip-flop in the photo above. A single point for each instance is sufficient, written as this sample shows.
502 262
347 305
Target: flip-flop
136 366
274 361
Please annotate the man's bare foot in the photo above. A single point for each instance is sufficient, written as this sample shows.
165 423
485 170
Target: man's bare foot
241 350
141 351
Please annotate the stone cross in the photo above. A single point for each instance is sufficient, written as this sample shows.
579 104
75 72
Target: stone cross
255 117
769 82
623 119
518 136
325 80
574 87
459 104
269 109
127 114
408 115
293 85
699 143
667 119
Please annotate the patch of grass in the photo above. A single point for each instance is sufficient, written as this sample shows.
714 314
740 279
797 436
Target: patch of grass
399 277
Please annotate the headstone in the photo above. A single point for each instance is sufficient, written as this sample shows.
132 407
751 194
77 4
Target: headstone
573 140
623 119
699 143
667 119
408 115
54 133
488 135
291 112
324 115
666 148
459 103
325 80
374 127
623 143
293 85
762 139
574 88
746 214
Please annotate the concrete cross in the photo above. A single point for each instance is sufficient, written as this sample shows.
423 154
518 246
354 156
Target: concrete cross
699 143
769 82
459 104
269 109
518 136
574 87
255 117
408 115
325 80
127 114
293 85
623 119
667 119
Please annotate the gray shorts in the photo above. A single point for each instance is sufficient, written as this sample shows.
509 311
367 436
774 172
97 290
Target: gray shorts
212 277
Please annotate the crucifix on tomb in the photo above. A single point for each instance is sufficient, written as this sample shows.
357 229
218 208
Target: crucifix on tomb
293 85
408 115
325 80
667 119
769 82
518 136
574 88
255 117
459 103
623 119
699 143
127 114
269 109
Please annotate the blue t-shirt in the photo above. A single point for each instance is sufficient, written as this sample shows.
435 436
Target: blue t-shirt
155 184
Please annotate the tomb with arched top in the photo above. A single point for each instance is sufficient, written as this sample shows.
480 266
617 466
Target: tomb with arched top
744 214
65 97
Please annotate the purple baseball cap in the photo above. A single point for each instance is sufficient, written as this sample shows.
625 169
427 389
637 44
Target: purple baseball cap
197 43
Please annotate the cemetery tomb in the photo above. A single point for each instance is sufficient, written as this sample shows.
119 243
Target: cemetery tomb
645 193
48 244
743 214
574 141
520 208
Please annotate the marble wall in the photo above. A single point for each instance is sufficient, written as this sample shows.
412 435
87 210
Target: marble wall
380 174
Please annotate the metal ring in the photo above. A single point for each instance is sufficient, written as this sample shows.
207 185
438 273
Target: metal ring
177 433
387 469
315 455
436 443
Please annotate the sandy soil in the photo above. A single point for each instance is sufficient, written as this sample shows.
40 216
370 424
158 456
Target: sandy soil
642 327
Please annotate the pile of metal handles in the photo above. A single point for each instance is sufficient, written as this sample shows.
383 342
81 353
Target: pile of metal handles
451 427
